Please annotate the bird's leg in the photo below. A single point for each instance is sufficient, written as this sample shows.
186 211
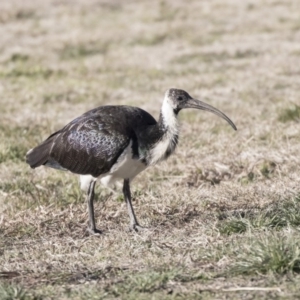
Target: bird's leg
90 201
134 225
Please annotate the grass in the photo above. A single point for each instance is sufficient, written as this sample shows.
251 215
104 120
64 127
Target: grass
290 114
82 50
277 254
276 215
223 212
8 292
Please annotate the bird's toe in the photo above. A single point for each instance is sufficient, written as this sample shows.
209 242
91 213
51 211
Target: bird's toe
137 228
92 231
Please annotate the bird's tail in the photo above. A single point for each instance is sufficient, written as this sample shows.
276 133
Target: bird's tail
39 155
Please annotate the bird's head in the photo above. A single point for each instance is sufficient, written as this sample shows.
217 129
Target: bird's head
180 99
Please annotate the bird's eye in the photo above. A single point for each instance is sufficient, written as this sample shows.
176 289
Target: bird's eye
179 98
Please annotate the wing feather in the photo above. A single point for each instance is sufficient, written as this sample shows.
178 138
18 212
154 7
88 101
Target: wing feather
92 143
88 147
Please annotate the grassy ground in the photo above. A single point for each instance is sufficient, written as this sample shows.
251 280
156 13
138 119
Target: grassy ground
223 212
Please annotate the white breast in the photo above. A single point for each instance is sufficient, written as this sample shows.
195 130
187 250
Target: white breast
125 168
157 153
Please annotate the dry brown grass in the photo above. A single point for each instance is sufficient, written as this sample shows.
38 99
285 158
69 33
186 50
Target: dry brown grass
223 212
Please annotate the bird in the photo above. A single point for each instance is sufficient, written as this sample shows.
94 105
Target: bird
116 142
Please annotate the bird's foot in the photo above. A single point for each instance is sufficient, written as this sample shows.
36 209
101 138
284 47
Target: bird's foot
137 228
94 231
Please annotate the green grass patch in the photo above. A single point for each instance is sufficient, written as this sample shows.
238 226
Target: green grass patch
209 57
275 253
18 186
267 168
111 284
277 215
151 40
25 14
68 96
19 14
15 57
9 292
290 114
17 140
167 12
34 72
13 153
82 50
58 189
234 225
143 283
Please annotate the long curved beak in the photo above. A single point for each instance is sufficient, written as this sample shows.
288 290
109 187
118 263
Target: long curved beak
194 103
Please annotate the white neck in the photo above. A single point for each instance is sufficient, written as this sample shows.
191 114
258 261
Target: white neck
170 125
169 118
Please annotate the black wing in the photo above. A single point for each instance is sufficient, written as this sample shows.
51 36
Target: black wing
93 142
90 144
